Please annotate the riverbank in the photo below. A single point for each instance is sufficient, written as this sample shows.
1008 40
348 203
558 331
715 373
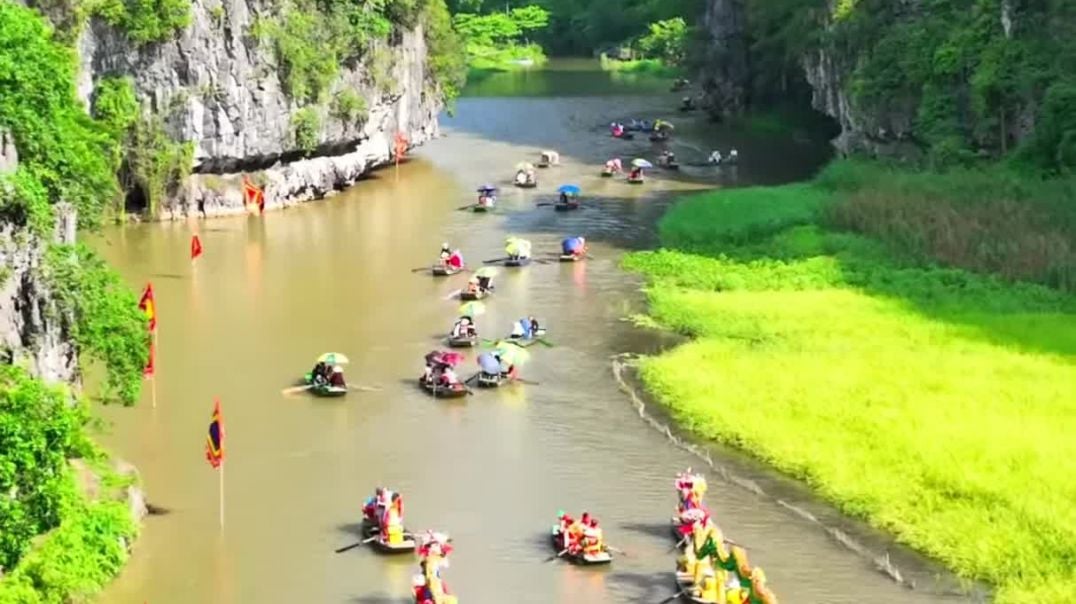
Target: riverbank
952 388
655 67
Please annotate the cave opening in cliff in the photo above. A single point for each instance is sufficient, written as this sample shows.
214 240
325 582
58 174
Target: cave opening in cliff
135 201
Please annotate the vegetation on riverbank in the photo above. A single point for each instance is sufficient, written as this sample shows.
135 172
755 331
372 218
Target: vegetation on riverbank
63 525
501 41
648 66
826 324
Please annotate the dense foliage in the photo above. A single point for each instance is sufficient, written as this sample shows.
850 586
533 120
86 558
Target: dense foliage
145 20
496 40
107 323
61 151
953 387
39 430
974 77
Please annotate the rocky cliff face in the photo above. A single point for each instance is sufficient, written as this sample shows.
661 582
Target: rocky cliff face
724 77
33 332
218 87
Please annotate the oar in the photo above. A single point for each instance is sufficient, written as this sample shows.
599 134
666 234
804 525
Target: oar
678 544
419 269
544 203
354 545
527 382
364 388
470 379
467 207
545 342
494 260
673 597
452 295
296 389
618 551
552 558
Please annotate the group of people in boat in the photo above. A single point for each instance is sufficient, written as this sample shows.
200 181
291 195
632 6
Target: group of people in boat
464 327
526 328
709 571
479 284
487 197
582 537
667 159
324 375
450 258
574 246
716 158
494 365
440 369
384 510
525 175
429 586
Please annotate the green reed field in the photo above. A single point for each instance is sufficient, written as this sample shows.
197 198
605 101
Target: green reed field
936 403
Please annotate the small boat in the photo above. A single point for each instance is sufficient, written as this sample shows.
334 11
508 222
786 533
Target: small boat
443 270
370 530
658 137
607 173
564 207
583 559
635 181
462 341
571 257
517 261
479 208
527 342
492 380
323 389
475 295
669 165
527 184
455 391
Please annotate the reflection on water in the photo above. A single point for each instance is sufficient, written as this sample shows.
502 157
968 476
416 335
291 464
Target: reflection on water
563 77
271 293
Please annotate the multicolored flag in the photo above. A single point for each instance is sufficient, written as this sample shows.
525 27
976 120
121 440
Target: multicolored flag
253 194
148 306
214 442
196 247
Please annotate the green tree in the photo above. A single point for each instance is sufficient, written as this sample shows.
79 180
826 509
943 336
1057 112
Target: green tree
666 40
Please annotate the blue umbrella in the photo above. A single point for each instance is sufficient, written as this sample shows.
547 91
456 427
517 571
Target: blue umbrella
486 187
569 189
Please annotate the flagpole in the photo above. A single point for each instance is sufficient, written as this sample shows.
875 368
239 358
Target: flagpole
222 494
156 365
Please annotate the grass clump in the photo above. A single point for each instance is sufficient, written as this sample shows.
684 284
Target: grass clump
655 67
953 388
349 107
306 129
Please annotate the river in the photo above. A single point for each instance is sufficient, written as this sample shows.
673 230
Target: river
271 293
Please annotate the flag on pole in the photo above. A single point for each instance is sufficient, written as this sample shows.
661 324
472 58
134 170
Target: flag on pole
196 247
214 443
252 194
151 363
149 307
400 146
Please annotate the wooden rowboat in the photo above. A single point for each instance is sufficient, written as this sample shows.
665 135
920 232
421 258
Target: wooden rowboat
441 270
477 295
527 184
581 558
462 341
563 207
635 181
456 391
486 380
371 530
517 262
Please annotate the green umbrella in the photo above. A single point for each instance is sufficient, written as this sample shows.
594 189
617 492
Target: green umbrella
511 354
333 358
472 309
485 271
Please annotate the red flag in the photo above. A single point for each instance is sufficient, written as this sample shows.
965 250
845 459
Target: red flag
253 194
149 306
148 371
196 247
214 442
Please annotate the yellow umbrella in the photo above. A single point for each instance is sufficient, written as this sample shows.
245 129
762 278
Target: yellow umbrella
472 309
333 358
512 354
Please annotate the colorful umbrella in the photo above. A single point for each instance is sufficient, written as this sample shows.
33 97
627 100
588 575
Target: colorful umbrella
444 357
472 309
333 358
569 189
485 271
518 247
511 354
639 162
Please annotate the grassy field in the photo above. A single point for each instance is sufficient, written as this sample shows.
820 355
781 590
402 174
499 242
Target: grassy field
936 403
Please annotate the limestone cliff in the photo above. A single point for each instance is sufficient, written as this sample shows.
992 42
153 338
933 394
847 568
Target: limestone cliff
724 77
217 86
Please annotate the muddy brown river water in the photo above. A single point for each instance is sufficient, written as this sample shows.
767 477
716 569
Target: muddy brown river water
272 293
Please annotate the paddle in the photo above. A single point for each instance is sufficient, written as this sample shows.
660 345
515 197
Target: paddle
364 388
354 545
467 207
470 379
419 269
495 260
673 597
527 382
544 203
453 294
545 342
678 544
552 558
617 551
296 389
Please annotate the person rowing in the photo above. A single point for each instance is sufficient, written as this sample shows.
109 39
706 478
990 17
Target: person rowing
517 249
487 196
593 539
370 508
526 328
574 246
319 375
451 259
667 159
464 328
